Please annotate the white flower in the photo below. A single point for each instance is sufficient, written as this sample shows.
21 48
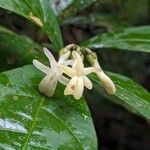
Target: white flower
78 77
53 74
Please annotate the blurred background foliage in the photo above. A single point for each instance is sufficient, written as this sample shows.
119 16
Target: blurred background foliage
116 127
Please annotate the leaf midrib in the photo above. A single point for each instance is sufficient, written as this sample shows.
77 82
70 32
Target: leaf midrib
65 126
34 123
32 126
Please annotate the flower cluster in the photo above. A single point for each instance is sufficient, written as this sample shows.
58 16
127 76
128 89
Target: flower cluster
70 71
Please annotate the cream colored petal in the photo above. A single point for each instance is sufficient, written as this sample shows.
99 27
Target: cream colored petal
74 63
78 63
51 58
48 84
68 62
63 80
69 90
87 83
107 82
41 66
79 87
67 70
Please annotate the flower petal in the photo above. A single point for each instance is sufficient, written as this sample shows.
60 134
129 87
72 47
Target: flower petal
51 58
87 83
69 90
41 66
78 63
63 80
48 84
68 62
67 70
79 87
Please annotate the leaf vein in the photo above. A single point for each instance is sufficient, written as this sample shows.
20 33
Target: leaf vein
32 126
71 131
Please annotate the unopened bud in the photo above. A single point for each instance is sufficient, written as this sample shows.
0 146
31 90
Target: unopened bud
63 51
92 58
72 47
106 82
64 54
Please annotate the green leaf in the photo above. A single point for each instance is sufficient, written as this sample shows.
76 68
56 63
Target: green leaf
29 120
129 94
43 12
110 22
134 39
17 50
74 7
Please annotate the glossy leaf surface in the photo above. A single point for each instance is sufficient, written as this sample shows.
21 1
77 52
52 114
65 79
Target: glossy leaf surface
29 120
129 94
134 39
17 50
37 11
97 20
74 7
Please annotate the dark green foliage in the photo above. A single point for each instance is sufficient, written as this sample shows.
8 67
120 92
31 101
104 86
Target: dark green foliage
28 119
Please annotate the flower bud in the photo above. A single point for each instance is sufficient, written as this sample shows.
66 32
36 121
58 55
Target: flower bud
64 54
106 82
